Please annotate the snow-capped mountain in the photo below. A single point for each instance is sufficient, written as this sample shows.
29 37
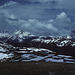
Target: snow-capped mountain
59 41
21 36
18 35
58 44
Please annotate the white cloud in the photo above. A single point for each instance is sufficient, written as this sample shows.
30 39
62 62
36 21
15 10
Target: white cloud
63 23
12 16
63 17
10 3
38 26
34 18
51 27
33 26
51 20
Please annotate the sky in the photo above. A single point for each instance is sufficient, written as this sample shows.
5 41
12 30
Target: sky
41 17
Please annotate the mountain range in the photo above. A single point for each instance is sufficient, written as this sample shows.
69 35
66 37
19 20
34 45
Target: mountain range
24 46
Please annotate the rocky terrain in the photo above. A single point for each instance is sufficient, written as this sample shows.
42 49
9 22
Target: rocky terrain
23 46
9 53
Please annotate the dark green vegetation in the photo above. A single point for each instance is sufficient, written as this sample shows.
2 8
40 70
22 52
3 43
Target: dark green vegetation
36 68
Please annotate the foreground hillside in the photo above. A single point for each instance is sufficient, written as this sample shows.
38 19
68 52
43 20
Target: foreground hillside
36 68
9 53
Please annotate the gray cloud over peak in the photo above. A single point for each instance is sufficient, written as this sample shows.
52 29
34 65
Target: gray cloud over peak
38 19
62 24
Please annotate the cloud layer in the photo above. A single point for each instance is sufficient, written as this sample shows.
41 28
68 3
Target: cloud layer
41 19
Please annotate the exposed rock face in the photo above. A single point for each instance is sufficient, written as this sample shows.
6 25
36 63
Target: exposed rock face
59 45
9 53
30 43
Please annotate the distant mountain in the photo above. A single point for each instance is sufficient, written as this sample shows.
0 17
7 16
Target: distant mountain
60 44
